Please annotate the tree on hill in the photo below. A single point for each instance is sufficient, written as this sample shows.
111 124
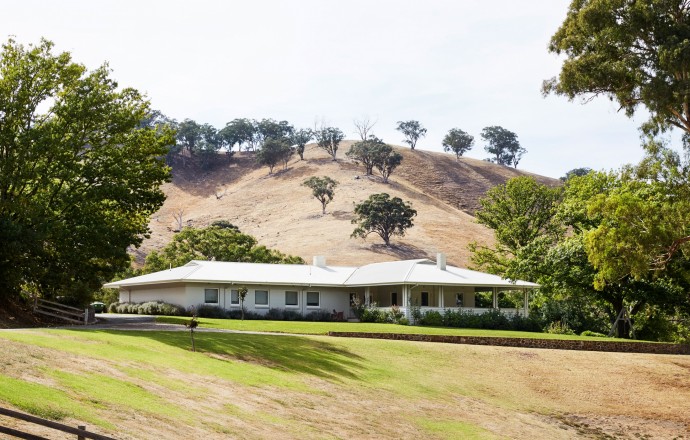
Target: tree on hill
300 139
189 135
328 139
385 160
274 151
576 172
504 146
213 243
269 129
412 130
363 127
323 189
240 131
80 173
384 216
634 53
363 152
458 142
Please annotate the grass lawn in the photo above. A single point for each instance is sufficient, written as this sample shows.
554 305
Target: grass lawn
322 328
149 384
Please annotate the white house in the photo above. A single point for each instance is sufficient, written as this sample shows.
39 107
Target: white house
305 288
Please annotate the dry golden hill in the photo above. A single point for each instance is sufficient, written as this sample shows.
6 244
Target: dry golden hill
282 214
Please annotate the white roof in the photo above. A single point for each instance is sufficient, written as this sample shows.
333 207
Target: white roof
389 273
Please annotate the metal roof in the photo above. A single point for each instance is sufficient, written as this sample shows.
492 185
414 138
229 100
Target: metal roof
390 273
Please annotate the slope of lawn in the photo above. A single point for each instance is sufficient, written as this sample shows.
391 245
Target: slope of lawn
322 328
149 384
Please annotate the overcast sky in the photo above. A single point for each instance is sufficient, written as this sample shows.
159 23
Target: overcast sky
465 64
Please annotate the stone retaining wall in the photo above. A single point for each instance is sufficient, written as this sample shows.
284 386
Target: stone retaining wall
558 344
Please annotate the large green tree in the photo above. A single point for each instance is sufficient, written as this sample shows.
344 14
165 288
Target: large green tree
328 139
385 160
458 141
274 151
322 188
635 52
412 130
384 216
218 242
300 138
80 173
503 145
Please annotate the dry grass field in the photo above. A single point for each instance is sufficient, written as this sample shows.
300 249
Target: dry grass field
282 214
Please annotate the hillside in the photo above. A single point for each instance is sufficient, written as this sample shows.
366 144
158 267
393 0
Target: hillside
282 214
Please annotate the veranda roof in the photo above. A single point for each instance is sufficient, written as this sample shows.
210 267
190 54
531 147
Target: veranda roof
420 271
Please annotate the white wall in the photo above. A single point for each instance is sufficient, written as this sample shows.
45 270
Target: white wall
192 294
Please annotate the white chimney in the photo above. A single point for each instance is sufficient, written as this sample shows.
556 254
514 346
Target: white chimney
441 261
319 261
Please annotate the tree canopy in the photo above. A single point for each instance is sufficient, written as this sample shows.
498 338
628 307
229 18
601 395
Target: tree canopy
216 242
384 216
633 52
300 138
503 145
412 130
328 139
322 188
458 142
80 173
273 151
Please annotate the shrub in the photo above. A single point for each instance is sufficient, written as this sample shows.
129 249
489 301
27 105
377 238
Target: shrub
319 315
404 321
432 318
206 311
275 314
559 328
591 333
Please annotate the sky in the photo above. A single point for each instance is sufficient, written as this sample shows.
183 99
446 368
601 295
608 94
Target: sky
464 64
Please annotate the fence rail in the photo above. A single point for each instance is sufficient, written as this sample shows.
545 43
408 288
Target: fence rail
80 432
66 313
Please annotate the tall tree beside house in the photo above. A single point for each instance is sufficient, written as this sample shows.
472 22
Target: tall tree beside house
633 52
328 139
503 145
322 188
412 130
217 242
384 216
80 173
458 142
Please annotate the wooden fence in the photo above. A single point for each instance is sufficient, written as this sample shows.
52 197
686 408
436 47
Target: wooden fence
66 313
80 431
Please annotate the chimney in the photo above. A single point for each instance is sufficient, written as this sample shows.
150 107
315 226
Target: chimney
319 261
441 261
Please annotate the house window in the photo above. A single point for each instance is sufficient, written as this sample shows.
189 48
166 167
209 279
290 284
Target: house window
394 298
261 298
425 299
234 297
312 299
211 296
291 298
458 300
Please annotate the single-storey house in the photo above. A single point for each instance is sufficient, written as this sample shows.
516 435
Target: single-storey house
305 288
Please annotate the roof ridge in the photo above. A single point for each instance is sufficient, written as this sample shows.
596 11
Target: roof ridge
198 266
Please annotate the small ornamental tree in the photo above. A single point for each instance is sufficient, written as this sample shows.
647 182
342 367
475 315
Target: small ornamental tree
383 216
386 160
323 189
458 142
300 139
242 294
328 139
412 130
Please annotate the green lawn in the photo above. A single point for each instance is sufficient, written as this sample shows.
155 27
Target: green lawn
149 384
322 328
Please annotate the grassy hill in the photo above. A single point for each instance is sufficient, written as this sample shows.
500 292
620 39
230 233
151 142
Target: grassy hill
282 214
